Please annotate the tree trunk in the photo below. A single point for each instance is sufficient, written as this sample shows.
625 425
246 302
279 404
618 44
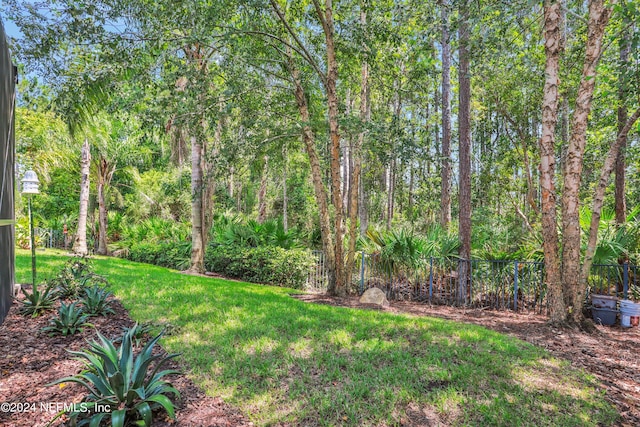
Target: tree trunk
285 199
410 196
209 154
574 289
564 131
356 156
316 174
363 206
347 146
80 243
464 117
598 197
620 196
262 194
326 19
197 196
445 195
103 180
390 190
553 46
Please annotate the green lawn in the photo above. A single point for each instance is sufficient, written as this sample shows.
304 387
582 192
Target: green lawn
282 360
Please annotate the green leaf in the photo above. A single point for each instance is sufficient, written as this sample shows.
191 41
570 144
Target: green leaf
144 410
164 402
96 419
118 418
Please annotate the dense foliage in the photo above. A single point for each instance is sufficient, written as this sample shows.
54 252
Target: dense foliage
332 119
265 264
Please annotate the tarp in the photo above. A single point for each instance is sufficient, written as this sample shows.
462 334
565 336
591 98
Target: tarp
7 152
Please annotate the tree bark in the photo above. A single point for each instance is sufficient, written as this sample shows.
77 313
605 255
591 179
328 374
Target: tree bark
316 174
338 287
464 123
347 146
197 197
209 154
598 198
363 205
80 243
262 193
391 176
285 199
105 172
391 189
356 156
574 289
445 195
552 47
620 196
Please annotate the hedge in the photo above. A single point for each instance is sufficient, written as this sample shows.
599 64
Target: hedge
265 264
176 255
270 265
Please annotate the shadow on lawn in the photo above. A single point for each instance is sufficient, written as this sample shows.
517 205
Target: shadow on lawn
268 352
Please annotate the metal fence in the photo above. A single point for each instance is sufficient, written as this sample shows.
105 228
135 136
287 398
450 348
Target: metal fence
317 281
496 284
50 238
621 280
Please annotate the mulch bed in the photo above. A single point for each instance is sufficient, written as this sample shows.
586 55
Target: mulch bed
30 359
610 353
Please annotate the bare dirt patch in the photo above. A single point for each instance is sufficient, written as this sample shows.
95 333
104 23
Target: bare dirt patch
30 359
611 354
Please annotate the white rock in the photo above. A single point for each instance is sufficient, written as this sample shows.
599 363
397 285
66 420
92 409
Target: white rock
374 296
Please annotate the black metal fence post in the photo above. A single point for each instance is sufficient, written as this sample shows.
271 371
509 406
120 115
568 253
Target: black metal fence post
625 279
362 274
430 279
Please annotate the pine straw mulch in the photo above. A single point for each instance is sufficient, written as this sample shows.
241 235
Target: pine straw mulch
30 359
610 353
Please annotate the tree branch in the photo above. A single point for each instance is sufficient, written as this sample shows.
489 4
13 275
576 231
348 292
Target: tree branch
293 34
598 198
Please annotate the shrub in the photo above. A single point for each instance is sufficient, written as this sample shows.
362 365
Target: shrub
37 302
71 319
266 264
75 276
230 230
176 255
95 301
119 379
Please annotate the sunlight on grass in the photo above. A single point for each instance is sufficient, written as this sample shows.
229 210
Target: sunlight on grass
284 361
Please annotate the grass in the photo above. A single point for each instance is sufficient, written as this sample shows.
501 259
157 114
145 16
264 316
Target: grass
282 360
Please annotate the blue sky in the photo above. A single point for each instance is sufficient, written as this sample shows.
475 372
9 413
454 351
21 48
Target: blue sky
10 28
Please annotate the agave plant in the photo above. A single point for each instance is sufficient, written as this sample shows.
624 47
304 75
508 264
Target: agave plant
71 319
95 301
37 302
120 380
138 332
